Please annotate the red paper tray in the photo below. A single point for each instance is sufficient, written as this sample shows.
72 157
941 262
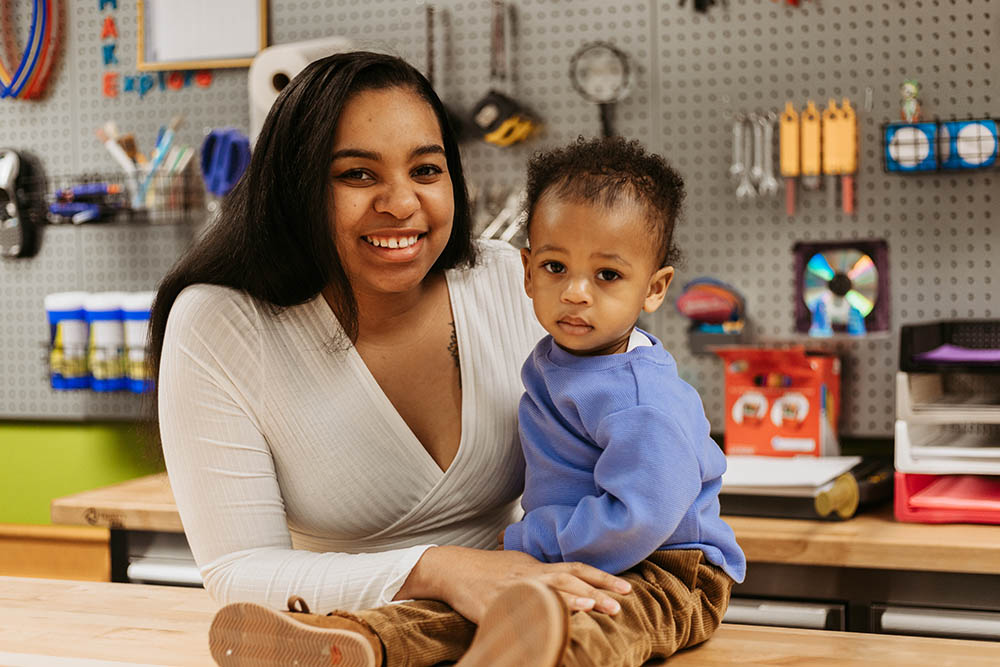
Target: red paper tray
947 498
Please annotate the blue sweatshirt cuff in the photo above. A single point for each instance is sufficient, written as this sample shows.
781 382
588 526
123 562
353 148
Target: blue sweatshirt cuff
513 537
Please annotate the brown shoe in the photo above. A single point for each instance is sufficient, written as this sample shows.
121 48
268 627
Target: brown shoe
245 634
526 626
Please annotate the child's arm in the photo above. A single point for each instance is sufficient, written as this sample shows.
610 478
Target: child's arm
648 477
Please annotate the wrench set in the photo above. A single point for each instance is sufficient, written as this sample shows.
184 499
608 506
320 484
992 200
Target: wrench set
813 143
752 166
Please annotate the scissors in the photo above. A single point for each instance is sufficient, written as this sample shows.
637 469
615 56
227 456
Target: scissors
225 154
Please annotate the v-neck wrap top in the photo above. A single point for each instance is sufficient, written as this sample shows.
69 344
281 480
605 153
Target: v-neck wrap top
292 471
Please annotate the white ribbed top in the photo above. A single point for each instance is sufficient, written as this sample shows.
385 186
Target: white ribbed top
292 471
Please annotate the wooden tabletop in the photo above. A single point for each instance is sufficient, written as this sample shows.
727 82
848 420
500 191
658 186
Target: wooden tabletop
145 503
71 623
872 540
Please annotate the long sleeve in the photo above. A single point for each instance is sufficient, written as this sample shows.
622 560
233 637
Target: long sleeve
647 478
224 477
619 462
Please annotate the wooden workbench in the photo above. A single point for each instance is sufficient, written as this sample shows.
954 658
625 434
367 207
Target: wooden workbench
44 621
867 541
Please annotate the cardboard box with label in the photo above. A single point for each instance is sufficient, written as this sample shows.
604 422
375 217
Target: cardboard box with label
781 402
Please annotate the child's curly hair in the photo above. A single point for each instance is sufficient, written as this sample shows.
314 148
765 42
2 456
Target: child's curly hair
607 172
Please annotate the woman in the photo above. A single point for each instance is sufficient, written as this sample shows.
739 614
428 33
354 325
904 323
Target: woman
337 371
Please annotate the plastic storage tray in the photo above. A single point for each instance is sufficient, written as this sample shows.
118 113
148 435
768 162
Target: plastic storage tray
948 449
948 398
916 339
947 498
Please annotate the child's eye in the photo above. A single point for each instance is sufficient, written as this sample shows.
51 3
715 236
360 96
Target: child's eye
553 267
608 275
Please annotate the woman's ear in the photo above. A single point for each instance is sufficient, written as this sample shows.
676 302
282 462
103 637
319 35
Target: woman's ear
526 261
657 291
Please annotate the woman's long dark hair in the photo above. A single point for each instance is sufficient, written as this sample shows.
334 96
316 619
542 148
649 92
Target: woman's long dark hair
273 238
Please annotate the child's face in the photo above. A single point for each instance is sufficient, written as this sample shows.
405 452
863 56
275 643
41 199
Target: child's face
590 271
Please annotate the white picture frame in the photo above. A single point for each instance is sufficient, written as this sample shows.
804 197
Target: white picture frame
185 34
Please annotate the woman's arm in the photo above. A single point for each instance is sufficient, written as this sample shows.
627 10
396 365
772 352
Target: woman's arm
223 474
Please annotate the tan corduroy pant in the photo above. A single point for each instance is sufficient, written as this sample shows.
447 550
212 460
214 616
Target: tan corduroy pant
677 601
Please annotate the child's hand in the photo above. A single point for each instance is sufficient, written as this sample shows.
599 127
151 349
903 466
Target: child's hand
500 539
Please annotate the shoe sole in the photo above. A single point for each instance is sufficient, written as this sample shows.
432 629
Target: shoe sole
527 626
244 634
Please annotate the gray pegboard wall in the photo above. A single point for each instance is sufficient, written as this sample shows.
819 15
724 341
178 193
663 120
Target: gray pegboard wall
691 71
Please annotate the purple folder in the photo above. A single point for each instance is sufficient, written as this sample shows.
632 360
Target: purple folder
952 354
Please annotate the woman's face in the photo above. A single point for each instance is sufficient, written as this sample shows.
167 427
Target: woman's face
392 202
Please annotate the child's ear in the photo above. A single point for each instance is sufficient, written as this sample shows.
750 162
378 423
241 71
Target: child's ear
657 291
526 261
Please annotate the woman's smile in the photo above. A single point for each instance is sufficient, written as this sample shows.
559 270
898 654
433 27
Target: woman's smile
401 246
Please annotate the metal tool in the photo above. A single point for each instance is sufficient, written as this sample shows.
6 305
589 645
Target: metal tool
789 138
737 168
849 122
757 170
500 119
455 119
810 147
601 73
745 189
769 185
832 147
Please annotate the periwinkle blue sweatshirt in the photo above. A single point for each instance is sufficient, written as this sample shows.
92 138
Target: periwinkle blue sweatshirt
619 462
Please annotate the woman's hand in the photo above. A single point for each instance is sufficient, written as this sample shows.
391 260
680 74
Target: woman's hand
469 579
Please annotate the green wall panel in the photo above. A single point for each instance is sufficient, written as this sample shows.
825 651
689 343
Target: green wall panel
41 461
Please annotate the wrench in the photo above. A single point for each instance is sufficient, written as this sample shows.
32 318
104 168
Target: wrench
737 168
757 170
745 190
768 184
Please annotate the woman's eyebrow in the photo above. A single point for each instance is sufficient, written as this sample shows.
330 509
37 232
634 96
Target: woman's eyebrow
429 149
357 152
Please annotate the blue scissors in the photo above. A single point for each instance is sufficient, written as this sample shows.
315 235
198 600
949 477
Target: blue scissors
225 154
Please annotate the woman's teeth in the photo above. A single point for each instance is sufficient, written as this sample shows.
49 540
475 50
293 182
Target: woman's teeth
391 241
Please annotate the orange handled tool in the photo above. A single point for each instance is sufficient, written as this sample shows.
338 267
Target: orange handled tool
849 159
788 137
810 146
832 150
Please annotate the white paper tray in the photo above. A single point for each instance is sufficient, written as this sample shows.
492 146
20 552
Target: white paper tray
938 449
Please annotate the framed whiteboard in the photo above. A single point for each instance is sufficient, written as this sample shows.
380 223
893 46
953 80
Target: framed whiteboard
186 34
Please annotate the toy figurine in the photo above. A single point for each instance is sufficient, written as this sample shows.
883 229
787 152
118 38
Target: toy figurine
855 322
820 326
910 106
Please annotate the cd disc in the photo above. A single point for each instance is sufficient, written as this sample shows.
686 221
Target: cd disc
841 279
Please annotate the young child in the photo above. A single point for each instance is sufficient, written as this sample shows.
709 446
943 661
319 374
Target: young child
621 471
